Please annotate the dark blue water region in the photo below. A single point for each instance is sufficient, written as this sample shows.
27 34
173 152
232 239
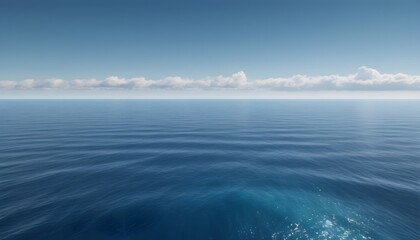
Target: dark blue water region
200 169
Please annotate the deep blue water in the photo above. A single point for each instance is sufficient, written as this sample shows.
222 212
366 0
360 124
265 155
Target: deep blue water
177 169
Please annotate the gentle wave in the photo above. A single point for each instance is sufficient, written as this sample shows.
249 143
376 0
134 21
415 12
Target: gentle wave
209 170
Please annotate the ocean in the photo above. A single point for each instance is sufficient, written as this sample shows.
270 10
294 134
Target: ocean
209 169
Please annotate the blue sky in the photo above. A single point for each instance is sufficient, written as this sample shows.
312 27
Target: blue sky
96 39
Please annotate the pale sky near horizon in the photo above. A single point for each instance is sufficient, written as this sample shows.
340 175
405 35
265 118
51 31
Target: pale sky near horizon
209 49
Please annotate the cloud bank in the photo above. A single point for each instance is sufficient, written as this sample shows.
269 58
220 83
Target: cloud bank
365 79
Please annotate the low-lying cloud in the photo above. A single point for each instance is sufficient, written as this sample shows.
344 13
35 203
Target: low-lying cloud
365 79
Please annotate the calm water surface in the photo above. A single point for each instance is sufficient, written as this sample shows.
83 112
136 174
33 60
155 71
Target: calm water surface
168 169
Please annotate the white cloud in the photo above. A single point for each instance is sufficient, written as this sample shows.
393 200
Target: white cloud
365 79
55 83
7 84
85 83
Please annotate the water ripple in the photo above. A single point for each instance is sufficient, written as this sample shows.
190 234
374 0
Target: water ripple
209 170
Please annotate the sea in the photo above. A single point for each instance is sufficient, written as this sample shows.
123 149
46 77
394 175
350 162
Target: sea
209 169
